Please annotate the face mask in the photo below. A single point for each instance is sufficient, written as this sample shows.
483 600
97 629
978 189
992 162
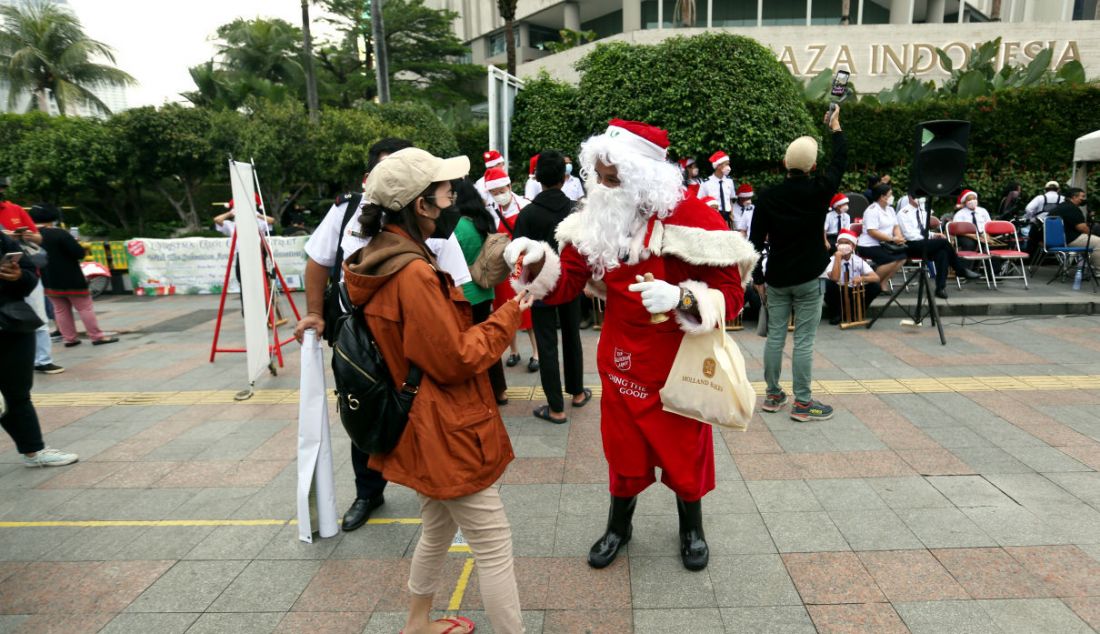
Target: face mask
568 168
844 248
971 205
446 222
503 200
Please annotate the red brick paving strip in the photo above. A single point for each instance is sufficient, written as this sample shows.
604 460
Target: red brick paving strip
911 575
1067 570
991 573
860 618
832 577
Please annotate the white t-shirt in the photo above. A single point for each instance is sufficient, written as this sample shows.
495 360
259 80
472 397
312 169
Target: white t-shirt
979 217
728 188
322 245
742 217
572 188
532 189
226 228
1035 207
834 222
856 267
879 219
479 185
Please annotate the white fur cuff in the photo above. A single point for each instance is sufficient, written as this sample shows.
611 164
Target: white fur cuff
712 309
547 279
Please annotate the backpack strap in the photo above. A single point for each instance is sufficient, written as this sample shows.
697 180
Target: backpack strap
349 211
503 222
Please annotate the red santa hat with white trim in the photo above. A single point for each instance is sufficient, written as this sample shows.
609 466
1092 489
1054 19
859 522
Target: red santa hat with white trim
966 193
686 162
718 158
492 158
710 201
639 138
534 163
838 201
847 234
744 190
496 177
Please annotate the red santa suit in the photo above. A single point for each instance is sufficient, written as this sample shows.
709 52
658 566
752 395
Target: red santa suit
691 248
506 217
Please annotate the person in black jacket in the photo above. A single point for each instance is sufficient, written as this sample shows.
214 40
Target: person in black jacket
17 280
539 221
65 285
788 219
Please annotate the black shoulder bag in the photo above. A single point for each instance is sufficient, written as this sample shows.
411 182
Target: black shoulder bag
332 309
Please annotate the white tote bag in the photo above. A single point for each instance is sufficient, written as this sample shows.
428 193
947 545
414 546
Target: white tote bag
707 382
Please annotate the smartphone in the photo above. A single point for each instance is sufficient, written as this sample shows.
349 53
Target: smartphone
840 84
12 258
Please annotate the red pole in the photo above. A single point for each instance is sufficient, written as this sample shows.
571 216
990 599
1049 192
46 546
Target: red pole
225 290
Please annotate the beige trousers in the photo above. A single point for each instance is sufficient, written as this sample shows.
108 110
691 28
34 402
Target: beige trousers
486 529
1094 244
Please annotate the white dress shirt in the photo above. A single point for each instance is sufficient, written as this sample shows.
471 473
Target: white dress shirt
911 221
742 217
855 267
877 218
721 189
532 188
572 188
835 221
978 216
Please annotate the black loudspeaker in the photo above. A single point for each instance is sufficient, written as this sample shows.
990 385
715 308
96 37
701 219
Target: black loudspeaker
939 157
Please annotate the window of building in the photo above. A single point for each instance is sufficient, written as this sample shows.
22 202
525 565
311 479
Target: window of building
873 13
605 25
784 12
671 19
538 36
829 12
498 44
734 13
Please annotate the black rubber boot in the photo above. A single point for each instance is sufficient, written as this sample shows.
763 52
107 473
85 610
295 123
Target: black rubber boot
693 543
604 551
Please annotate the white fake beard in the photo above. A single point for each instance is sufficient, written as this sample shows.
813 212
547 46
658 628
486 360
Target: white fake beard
613 219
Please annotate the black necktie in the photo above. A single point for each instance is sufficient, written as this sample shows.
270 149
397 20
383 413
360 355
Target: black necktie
721 196
847 274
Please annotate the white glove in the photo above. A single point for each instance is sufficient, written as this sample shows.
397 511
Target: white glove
530 250
658 296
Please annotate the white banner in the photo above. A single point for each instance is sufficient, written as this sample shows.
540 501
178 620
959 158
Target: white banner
196 266
250 261
315 478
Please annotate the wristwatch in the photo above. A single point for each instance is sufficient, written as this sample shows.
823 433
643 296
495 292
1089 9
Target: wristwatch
687 301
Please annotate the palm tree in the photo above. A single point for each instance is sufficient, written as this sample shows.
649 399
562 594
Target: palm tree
44 51
508 12
307 59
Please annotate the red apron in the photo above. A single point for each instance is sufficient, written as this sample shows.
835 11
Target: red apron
634 359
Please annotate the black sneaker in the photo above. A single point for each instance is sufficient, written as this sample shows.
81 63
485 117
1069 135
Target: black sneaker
49 368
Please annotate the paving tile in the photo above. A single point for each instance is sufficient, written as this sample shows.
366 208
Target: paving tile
936 617
95 544
876 618
740 534
346 585
1087 609
701 620
138 623
323 622
75 623
1085 486
574 535
381 542
233 542
804 532
588 621
768 620
266 586
752 581
931 462
1046 459
1015 526
970 491
535 471
777 496
911 575
662 582
578 587
1031 490
165 542
846 494
729 497
987 460
874 530
246 623
944 528
908 493
834 577
189 586
1065 569
530 500
1034 615
878 464
767 467
991 573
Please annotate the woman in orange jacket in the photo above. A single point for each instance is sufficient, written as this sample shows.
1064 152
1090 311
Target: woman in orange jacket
455 445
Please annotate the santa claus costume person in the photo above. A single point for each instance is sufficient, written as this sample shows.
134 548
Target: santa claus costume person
492 159
636 222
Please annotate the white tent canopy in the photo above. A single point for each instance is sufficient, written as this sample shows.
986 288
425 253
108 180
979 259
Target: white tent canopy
1086 150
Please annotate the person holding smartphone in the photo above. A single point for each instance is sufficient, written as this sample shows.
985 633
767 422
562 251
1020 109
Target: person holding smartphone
17 342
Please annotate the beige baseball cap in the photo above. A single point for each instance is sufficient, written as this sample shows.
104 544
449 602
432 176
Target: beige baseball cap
402 176
801 154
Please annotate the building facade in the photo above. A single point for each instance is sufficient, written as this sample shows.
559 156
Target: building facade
883 40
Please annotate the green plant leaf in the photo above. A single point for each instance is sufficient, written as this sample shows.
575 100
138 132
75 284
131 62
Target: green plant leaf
945 60
973 84
1072 72
817 88
1038 67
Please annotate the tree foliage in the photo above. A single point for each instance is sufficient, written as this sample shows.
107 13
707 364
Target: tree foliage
546 117
44 51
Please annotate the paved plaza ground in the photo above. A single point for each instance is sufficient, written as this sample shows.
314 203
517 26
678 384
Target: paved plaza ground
956 490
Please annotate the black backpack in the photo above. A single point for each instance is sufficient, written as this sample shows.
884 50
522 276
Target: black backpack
373 411
332 309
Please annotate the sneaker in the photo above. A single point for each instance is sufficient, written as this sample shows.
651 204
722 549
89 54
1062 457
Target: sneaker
49 368
104 341
774 402
50 457
814 410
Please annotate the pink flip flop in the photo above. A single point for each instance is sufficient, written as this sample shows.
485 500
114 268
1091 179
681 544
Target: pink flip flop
456 622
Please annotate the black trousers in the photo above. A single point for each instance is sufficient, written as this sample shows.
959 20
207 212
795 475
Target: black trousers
496 373
544 321
368 482
16 378
941 254
832 296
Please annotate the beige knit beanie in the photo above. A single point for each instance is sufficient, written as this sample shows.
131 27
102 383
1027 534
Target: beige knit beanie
801 154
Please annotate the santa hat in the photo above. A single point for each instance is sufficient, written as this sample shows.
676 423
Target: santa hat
718 158
838 201
686 162
492 158
966 194
496 177
711 201
534 163
640 138
744 190
847 234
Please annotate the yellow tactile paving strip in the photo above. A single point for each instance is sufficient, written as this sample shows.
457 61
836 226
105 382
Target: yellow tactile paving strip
1042 383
